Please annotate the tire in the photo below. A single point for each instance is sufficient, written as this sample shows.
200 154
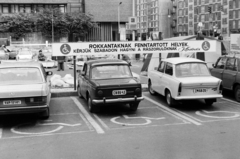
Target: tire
79 92
209 102
134 106
91 106
150 89
237 93
170 101
45 115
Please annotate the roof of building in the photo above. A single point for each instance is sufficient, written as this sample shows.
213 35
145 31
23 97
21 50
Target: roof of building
178 60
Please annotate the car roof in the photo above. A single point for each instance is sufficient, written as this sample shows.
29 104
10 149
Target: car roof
106 61
232 55
8 64
178 60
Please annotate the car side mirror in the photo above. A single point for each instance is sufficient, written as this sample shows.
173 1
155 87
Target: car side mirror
49 73
213 65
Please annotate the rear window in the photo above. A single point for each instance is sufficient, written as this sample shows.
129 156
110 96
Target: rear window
192 69
110 71
11 76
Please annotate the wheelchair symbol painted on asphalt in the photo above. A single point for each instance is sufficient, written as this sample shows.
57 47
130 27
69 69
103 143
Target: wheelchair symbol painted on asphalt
210 114
60 126
147 120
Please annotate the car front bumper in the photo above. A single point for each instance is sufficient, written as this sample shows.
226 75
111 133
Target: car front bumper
117 100
198 97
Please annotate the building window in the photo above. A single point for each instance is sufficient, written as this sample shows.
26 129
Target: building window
5 8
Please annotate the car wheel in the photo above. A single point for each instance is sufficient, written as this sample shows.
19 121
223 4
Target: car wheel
79 92
91 106
45 115
150 89
209 102
237 93
133 106
170 101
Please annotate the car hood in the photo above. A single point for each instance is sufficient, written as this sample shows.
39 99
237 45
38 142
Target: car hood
112 82
13 91
206 80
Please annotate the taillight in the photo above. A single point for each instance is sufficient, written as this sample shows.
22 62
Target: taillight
100 92
179 89
137 90
36 100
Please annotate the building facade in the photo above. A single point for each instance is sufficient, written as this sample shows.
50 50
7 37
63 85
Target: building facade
105 13
155 16
223 16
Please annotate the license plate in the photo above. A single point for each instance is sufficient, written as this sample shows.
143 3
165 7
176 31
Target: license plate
200 90
119 92
12 102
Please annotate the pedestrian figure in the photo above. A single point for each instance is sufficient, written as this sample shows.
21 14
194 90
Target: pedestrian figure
61 60
41 56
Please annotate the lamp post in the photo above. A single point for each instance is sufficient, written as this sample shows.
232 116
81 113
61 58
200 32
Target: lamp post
119 17
119 24
52 29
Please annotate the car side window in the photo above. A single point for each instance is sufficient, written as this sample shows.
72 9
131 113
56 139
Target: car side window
169 69
230 65
221 62
161 67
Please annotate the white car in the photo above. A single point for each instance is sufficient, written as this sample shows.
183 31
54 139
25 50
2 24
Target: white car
24 88
184 79
26 55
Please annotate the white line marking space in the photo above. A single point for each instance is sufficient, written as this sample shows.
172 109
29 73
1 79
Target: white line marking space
174 113
95 125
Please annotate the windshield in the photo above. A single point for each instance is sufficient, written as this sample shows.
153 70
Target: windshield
10 76
111 71
192 69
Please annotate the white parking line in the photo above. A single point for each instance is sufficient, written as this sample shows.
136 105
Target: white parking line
95 125
173 112
232 101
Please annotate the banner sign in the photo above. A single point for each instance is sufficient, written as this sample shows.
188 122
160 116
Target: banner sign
132 47
235 42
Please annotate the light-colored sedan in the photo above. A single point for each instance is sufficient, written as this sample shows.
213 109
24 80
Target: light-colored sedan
24 88
26 55
184 79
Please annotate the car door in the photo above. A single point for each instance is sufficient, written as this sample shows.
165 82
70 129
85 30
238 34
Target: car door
230 73
166 77
159 75
84 80
218 69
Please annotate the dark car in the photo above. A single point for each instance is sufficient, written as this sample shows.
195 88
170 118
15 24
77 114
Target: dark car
227 68
108 81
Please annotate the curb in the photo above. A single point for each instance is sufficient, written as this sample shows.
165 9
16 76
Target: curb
67 92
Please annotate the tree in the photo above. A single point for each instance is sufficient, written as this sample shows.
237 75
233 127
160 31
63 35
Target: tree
64 24
78 24
18 24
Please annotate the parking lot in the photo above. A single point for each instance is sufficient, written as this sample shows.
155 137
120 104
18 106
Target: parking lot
70 115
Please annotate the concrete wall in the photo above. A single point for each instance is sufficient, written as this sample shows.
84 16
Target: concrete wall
107 10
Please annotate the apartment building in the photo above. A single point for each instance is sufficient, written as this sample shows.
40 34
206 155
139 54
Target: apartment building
223 16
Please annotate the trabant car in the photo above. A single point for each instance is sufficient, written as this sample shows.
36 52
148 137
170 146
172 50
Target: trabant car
227 68
24 88
184 79
25 54
108 81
